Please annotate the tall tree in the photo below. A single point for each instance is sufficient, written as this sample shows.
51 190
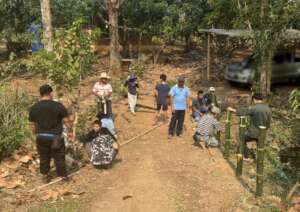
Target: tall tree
113 15
47 25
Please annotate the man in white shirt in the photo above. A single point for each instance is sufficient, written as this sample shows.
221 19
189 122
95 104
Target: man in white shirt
103 91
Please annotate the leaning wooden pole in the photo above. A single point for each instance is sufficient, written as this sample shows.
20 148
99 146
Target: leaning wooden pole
241 146
227 133
260 161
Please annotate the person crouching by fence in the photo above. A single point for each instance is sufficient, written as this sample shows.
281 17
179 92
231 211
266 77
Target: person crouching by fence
46 119
101 146
132 86
207 126
103 91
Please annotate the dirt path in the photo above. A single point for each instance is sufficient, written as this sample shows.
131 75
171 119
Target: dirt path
154 174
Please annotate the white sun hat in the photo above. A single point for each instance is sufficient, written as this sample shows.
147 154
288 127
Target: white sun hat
212 89
104 75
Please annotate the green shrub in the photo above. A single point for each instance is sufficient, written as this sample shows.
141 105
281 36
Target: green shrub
119 90
138 69
294 100
13 119
12 67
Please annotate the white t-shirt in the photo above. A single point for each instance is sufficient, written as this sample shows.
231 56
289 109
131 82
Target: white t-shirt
101 89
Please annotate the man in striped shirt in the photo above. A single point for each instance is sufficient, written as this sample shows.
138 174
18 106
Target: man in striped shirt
206 128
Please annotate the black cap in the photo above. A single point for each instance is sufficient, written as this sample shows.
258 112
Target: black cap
45 90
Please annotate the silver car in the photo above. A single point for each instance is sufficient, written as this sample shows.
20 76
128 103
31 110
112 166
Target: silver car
285 68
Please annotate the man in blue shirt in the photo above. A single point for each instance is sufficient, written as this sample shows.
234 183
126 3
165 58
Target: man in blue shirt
180 103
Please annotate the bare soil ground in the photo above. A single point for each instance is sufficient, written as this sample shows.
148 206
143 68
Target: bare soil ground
151 174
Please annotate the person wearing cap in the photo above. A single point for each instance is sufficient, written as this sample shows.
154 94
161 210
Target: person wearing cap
210 97
103 91
132 86
180 103
207 126
46 119
260 115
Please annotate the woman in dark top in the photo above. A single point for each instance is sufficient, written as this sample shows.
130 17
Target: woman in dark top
132 86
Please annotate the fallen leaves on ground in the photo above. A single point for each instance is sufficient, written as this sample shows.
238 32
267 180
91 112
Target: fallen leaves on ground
11 184
50 194
54 194
26 159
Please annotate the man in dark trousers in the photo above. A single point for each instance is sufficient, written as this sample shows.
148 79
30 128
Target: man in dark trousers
180 103
47 118
260 115
162 91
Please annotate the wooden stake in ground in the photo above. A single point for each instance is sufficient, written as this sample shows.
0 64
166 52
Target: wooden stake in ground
260 161
241 146
227 133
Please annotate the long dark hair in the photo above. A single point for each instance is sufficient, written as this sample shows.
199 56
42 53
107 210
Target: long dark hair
105 131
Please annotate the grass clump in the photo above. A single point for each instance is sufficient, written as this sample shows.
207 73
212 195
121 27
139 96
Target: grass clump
14 127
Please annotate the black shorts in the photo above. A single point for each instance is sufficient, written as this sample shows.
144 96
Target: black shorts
164 107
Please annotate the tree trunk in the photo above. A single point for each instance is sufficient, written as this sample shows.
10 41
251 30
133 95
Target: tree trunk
263 77
113 13
206 73
47 25
264 66
47 33
269 71
187 40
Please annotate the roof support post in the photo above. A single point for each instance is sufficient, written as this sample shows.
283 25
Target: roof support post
208 58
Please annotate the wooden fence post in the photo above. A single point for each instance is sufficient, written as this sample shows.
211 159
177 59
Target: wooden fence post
241 146
260 161
227 133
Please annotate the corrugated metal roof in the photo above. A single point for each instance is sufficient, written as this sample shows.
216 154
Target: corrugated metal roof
290 34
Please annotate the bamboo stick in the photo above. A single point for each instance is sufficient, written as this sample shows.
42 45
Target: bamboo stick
241 146
227 133
260 161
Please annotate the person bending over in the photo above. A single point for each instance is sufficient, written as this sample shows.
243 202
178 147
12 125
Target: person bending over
260 115
207 127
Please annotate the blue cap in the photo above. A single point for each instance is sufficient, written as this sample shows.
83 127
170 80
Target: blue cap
132 77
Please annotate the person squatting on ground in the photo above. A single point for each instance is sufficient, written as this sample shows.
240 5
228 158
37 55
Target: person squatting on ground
46 119
211 98
103 91
132 86
101 146
161 97
197 104
260 115
180 103
207 126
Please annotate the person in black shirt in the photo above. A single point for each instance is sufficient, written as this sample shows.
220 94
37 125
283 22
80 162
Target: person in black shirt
161 96
47 118
132 86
